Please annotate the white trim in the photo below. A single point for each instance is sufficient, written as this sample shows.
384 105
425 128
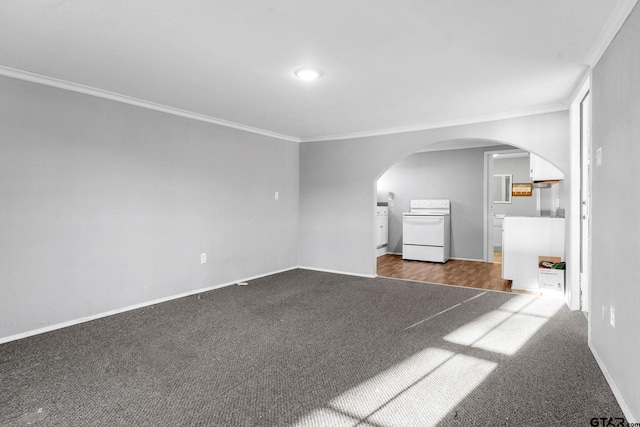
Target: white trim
614 388
572 251
581 89
459 259
347 273
487 214
117 97
468 259
613 25
132 307
113 96
480 119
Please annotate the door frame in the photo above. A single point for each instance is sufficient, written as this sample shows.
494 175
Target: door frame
488 198
586 169
575 283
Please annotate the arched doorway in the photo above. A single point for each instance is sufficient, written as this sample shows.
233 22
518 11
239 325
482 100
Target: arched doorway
461 173
452 170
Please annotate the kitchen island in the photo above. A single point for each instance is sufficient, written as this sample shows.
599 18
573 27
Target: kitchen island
524 239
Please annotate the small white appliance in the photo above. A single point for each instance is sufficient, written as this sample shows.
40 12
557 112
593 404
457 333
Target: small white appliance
426 231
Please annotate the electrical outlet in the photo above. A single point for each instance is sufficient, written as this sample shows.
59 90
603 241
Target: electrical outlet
612 317
599 157
604 311
203 258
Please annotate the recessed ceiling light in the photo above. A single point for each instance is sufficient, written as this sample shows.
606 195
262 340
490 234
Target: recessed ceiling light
308 73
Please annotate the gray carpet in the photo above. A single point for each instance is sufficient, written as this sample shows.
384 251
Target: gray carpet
305 348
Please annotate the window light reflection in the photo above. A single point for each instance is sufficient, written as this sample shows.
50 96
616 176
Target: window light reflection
508 328
430 384
425 387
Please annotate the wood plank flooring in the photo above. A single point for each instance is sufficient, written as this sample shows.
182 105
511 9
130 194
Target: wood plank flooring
474 274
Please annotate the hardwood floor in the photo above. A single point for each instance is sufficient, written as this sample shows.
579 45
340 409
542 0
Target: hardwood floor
474 274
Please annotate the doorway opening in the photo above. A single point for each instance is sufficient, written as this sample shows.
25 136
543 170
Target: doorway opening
450 172
503 169
585 205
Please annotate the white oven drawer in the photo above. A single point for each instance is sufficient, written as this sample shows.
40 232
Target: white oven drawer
423 253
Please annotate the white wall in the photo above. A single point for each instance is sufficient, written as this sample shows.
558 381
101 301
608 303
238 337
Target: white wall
106 205
338 182
616 213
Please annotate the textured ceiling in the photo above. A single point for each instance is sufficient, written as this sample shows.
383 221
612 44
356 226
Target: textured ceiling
387 64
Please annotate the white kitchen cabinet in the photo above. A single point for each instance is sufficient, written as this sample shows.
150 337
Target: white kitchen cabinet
382 229
524 240
542 170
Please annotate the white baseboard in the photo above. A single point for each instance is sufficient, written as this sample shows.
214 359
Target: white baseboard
348 273
460 259
131 307
614 388
467 259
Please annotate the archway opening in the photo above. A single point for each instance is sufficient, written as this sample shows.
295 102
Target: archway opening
463 173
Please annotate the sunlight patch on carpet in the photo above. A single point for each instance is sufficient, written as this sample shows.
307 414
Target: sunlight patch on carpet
370 395
506 329
421 390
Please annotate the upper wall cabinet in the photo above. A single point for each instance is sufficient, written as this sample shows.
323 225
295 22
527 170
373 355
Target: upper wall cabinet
541 170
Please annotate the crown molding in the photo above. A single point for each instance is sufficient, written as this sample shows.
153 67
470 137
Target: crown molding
554 108
113 96
615 22
581 89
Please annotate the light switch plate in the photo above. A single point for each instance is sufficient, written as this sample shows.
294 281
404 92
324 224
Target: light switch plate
599 157
612 318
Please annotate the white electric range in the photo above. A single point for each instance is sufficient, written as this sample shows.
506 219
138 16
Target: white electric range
426 231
